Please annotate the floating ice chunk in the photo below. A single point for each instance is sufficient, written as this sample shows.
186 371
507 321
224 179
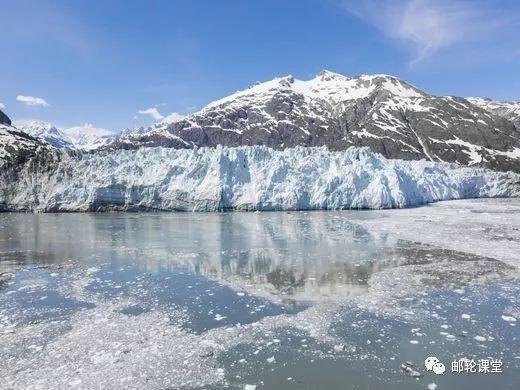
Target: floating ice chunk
480 338
92 270
219 317
509 318
465 316
339 348
250 387
414 342
408 370
432 386
271 360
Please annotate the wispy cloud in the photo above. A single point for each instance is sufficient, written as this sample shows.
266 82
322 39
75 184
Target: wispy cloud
157 116
153 112
430 25
2 106
32 101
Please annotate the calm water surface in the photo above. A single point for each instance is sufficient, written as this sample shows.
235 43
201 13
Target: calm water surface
278 300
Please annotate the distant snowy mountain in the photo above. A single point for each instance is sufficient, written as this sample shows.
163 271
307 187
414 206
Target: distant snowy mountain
88 137
382 112
508 110
133 138
243 178
84 137
45 132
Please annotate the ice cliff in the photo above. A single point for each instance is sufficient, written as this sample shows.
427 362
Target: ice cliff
241 178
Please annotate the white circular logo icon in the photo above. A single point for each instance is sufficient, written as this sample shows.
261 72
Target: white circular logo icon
433 364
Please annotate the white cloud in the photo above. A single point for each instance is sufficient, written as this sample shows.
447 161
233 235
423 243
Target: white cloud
158 117
153 112
174 117
2 106
429 25
32 101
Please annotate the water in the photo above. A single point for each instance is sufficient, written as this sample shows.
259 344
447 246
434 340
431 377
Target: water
281 300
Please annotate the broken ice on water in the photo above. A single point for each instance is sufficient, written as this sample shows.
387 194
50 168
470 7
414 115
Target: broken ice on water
260 300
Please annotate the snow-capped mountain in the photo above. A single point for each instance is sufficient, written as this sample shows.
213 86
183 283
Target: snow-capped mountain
382 112
242 178
508 110
137 131
45 132
17 147
88 137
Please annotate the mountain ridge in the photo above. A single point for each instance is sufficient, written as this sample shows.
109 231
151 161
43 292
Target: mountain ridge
389 115
383 112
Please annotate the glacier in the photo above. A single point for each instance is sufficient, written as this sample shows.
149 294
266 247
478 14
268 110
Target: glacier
239 178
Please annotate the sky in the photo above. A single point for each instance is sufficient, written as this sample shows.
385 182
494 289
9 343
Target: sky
123 63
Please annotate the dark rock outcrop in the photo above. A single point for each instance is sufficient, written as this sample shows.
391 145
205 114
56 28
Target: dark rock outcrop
4 119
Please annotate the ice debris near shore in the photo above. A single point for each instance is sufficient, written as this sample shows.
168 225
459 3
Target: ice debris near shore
241 178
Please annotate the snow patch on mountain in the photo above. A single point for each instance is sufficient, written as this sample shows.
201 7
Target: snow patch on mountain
242 178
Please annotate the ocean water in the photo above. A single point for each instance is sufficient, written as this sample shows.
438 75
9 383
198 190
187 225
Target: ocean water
276 300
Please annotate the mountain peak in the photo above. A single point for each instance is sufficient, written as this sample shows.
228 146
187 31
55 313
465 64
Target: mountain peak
327 75
286 81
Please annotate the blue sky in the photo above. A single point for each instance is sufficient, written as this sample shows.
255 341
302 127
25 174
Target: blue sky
102 62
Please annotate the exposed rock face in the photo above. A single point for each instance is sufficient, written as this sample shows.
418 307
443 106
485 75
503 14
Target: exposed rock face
4 119
382 112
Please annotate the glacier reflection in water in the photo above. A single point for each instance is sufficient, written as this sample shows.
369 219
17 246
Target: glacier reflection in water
281 256
213 290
